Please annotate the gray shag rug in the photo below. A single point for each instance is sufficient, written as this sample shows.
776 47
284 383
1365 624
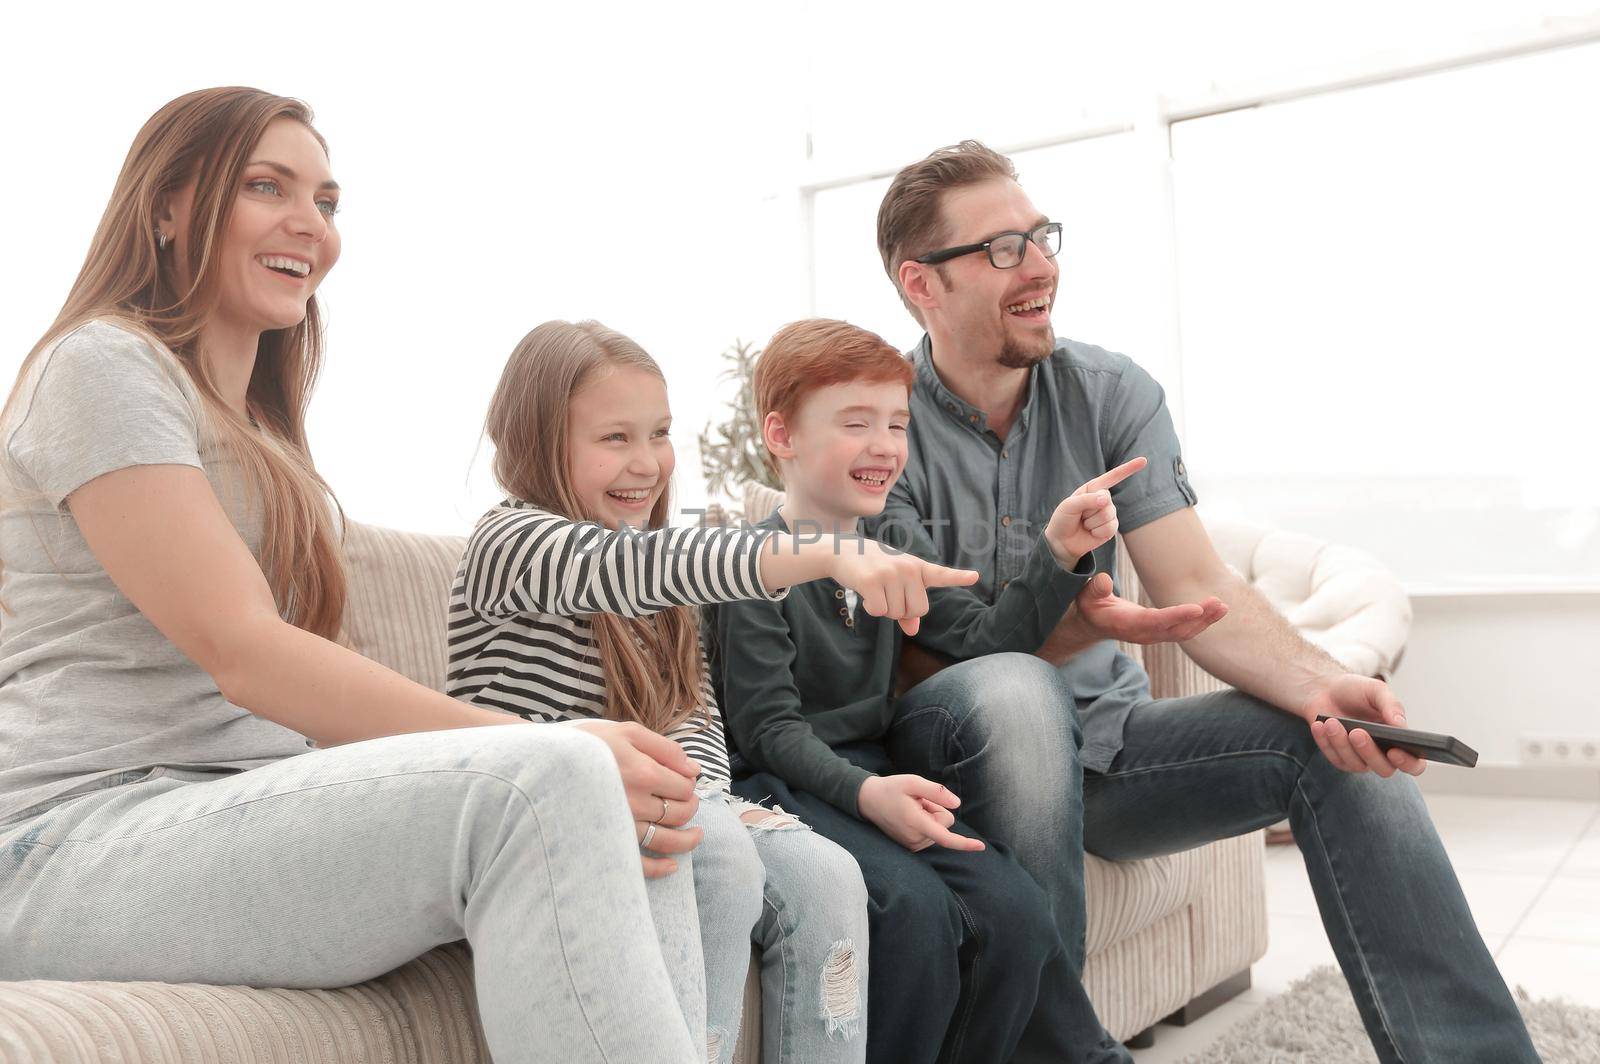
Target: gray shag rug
1315 1022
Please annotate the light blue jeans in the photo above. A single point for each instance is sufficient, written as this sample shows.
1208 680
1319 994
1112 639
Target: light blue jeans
801 899
339 865
813 940
727 879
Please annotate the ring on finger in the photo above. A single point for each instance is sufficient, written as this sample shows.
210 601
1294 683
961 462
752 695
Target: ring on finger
664 811
649 833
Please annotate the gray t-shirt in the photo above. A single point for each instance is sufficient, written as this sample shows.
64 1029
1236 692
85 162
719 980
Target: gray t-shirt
972 500
89 688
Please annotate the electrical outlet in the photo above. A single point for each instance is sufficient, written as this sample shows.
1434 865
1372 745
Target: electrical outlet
1582 750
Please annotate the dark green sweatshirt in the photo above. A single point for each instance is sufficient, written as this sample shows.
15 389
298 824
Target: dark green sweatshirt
803 675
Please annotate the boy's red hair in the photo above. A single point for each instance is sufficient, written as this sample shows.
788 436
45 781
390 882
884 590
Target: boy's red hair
817 353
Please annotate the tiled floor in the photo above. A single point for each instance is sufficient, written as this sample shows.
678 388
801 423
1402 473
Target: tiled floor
1531 872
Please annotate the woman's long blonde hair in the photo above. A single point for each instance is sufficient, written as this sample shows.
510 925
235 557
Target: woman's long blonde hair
651 664
206 138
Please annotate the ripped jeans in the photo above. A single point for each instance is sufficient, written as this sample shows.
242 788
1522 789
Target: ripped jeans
811 931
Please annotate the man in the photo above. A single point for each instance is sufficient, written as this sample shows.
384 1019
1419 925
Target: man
1005 419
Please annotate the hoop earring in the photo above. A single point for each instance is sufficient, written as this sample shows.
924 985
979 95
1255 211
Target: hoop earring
161 240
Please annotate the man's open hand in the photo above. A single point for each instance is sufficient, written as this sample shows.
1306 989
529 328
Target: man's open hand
1098 613
1110 616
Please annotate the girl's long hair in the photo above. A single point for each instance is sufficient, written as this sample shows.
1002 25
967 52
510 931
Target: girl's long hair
652 664
206 138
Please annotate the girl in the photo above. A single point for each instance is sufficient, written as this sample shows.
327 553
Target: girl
173 584
562 609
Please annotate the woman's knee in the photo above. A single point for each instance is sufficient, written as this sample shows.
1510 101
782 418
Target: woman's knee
559 777
550 760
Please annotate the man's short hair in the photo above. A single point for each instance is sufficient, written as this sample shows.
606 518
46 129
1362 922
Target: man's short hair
911 220
814 353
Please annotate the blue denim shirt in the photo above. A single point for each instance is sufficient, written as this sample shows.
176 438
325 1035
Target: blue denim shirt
973 500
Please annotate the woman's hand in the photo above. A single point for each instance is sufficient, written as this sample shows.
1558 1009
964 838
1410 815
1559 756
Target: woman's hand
659 780
891 583
913 811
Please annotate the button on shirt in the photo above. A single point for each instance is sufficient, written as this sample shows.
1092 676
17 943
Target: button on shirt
972 500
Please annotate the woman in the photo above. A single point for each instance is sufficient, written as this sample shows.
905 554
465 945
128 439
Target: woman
173 585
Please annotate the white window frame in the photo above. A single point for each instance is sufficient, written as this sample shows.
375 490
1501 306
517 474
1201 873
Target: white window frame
1152 125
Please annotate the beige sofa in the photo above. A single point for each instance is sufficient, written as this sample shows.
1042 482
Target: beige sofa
1162 934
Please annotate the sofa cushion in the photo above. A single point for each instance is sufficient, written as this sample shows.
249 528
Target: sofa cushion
1340 598
399 592
423 1013
759 501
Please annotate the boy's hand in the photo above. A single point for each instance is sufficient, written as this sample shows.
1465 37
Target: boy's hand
892 583
913 811
1087 518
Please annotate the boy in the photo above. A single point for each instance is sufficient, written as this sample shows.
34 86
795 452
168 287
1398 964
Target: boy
966 960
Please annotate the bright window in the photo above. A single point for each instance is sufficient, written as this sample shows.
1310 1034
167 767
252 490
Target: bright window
1389 318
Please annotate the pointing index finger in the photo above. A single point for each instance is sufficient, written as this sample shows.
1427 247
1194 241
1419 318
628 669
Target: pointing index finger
942 576
1115 476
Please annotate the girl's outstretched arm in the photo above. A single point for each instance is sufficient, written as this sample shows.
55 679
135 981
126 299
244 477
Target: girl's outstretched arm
525 560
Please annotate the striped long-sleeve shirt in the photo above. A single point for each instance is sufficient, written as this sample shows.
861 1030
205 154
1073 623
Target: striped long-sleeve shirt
520 638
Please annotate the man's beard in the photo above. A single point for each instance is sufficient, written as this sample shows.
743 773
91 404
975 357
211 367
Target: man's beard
1014 355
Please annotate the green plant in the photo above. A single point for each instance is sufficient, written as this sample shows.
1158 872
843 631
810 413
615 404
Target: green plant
731 452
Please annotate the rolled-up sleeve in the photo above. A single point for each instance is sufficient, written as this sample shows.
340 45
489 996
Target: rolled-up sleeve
1136 422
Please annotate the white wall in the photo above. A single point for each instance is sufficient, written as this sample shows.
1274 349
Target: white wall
501 165
1395 286
1493 668
1374 314
641 164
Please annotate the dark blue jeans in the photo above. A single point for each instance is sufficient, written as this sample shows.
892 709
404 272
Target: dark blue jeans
1197 769
967 961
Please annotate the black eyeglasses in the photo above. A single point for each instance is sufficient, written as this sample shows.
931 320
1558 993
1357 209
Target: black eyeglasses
1006 250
